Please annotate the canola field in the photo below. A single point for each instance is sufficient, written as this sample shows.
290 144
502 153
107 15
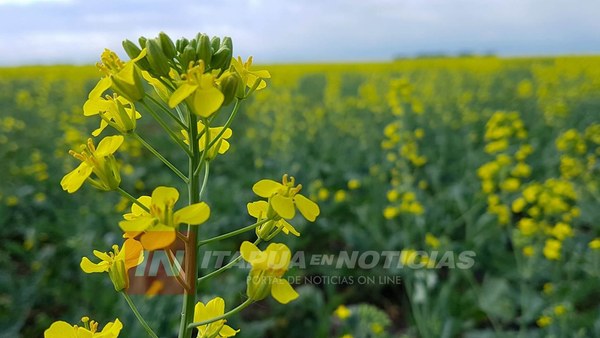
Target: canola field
427 158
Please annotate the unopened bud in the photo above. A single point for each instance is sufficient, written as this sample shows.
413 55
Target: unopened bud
221 58
142 40
158 61
203 49
133 51
215 43
258 285
229 87
167 45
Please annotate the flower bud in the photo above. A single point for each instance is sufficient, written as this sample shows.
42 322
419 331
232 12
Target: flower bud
229 87
264 231
167 45
142 40
156 57
188 55
221 58
133 51
118 276
203 49
215 43
111 176
181 44
258 285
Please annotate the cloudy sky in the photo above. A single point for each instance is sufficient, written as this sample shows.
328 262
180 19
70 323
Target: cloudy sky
76 31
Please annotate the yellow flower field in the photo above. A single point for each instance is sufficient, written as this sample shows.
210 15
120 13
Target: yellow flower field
479 177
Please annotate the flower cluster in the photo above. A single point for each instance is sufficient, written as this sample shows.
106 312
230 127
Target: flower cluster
503 176
545 212
191 82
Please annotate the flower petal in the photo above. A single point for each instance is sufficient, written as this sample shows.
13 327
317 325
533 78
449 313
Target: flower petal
134 253
228 331
145 201
215 307
249 251
207 101
279 256
308 209
60 329
200 312
111 329
159 237
100 87
74 180
282 291
266 188
181 94
109 145
137 224
284 206
193 214
287 227
89 267
258 209
164 195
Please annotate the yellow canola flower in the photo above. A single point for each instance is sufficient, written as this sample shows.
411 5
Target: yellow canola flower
561 231
199 90
250 78
342 312
261 211
123 77
544 321
116 263
61 329
594 244
113 110
353 184
552 249
267 269
99 161
220 146
432 241
284 198
157 226
217 329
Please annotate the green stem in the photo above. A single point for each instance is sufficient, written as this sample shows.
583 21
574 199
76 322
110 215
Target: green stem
138 315
160 157
191 245
164 125
205 180
168 111
233 233
132 199
223 316
225 267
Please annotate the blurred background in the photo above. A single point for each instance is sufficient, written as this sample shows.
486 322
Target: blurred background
434 126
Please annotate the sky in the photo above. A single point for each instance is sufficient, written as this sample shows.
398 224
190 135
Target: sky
284 31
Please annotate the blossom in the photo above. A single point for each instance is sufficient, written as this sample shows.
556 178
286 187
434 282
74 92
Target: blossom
157 224
123 77
342 312
260 210
200 91
62 329
116 263
214 308
552 249
250 78
267 269
220 146
284 196
99 161
114 110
